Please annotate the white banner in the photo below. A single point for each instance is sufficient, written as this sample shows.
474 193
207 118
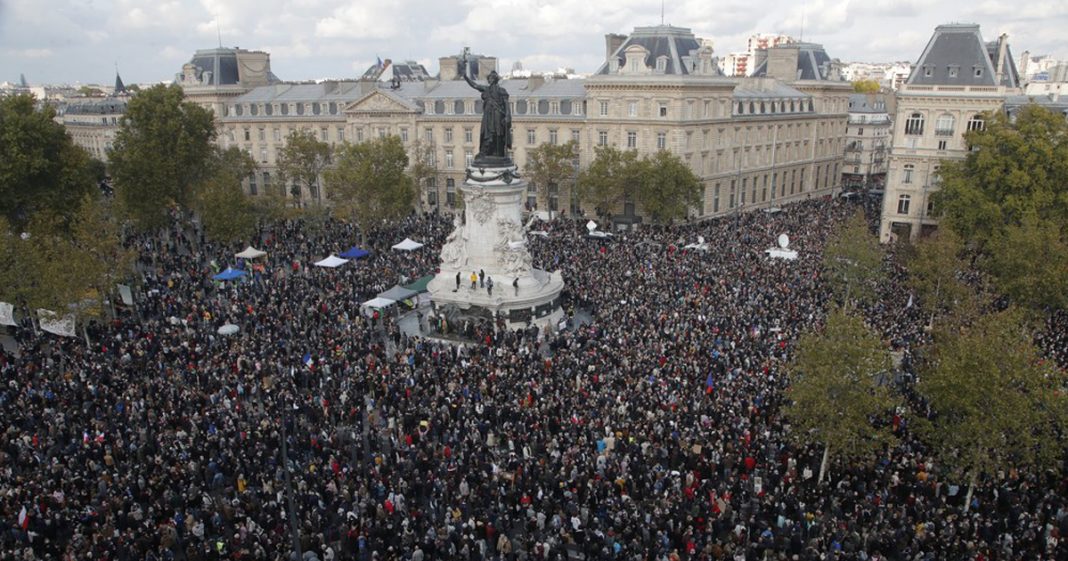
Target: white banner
52 323
7 314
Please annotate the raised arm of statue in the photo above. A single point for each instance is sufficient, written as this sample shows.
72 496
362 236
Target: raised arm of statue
471 82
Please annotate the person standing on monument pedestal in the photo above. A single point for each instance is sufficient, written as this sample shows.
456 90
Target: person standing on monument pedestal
489 285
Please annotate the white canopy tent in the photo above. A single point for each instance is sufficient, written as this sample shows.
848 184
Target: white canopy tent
699 246
250 253
331 262
377 303
53 323
408 245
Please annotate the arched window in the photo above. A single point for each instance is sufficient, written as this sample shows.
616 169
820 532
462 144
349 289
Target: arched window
268 109
944 125
253 109
543 107
976 123
439 107
458 107
521 107
315 108
914 124
565 107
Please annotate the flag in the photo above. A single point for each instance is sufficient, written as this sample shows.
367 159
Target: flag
709 383
24 518
909 305
307 360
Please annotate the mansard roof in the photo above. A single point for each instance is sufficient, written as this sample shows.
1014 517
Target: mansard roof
957 56
672 43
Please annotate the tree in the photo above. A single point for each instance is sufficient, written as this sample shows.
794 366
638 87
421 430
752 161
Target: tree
934 273
40 166
837 385
302 161
607 181
1014 170
421 164
161 154
852 261
369 182
101 259
1029 263
995 404
1009 199
866 86
551 164
225 210
667 188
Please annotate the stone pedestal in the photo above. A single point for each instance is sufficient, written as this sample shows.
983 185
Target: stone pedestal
491 238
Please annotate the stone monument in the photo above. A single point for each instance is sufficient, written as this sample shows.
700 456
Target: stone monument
489 241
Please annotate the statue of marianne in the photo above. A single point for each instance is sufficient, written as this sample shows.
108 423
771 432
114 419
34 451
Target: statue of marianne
496 136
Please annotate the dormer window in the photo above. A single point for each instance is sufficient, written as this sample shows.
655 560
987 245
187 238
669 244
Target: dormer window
953 71
928 71
661 64
978 72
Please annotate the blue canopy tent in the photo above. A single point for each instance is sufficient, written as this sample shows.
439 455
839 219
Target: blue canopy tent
354 253
229 274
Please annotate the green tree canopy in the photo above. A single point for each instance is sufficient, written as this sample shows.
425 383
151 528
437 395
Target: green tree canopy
369 183
852 261
866 86
995 404
40 166
1014 170
227 213
609 179
302 161
837 383
162 154
935 272
667 188
421 164
551 164
1009 199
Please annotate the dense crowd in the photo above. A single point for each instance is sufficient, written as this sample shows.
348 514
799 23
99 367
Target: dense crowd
653 431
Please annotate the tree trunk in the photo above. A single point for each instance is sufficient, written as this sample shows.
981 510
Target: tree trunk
971 490
826 460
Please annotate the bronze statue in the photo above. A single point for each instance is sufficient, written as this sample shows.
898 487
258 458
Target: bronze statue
495 139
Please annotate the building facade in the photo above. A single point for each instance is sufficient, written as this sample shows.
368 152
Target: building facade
93 122
753 142
867 144
957 78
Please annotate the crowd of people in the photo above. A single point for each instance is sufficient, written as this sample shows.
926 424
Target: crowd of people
652 431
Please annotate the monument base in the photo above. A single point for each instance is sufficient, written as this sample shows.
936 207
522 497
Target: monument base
535 301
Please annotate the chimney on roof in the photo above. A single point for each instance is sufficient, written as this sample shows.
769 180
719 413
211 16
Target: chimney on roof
1003 47
782 62
612 42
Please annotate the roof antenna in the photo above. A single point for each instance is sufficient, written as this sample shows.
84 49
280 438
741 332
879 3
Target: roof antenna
802 38
661 12
218 29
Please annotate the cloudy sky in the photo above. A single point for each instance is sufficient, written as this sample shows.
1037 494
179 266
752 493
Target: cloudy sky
55 41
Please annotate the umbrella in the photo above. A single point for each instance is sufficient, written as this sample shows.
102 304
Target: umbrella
228 329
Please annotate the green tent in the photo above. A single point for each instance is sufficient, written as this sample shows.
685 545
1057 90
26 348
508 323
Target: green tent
420 285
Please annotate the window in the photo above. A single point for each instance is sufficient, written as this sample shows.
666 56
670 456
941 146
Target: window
323 135
941 144
978 72
914 124
253 109
316 109
602 138
661 141
428 134
552 137
431 192
907 176
661 64
532 137
663 110
252 184
404 135
263 155
604 108
268 109
903 204
285 108
448 159
450 192
469 158
576 135
468 135
359 134
262 135
715 199
333 108
944 125
266 182
953 71
976 123
554 197
248 135
532 196
730 199
928 71
632 139
341 134
458 107
745 187
448 135
300 109
277 135
632 109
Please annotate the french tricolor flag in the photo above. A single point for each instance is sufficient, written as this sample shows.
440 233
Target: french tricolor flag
24 519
